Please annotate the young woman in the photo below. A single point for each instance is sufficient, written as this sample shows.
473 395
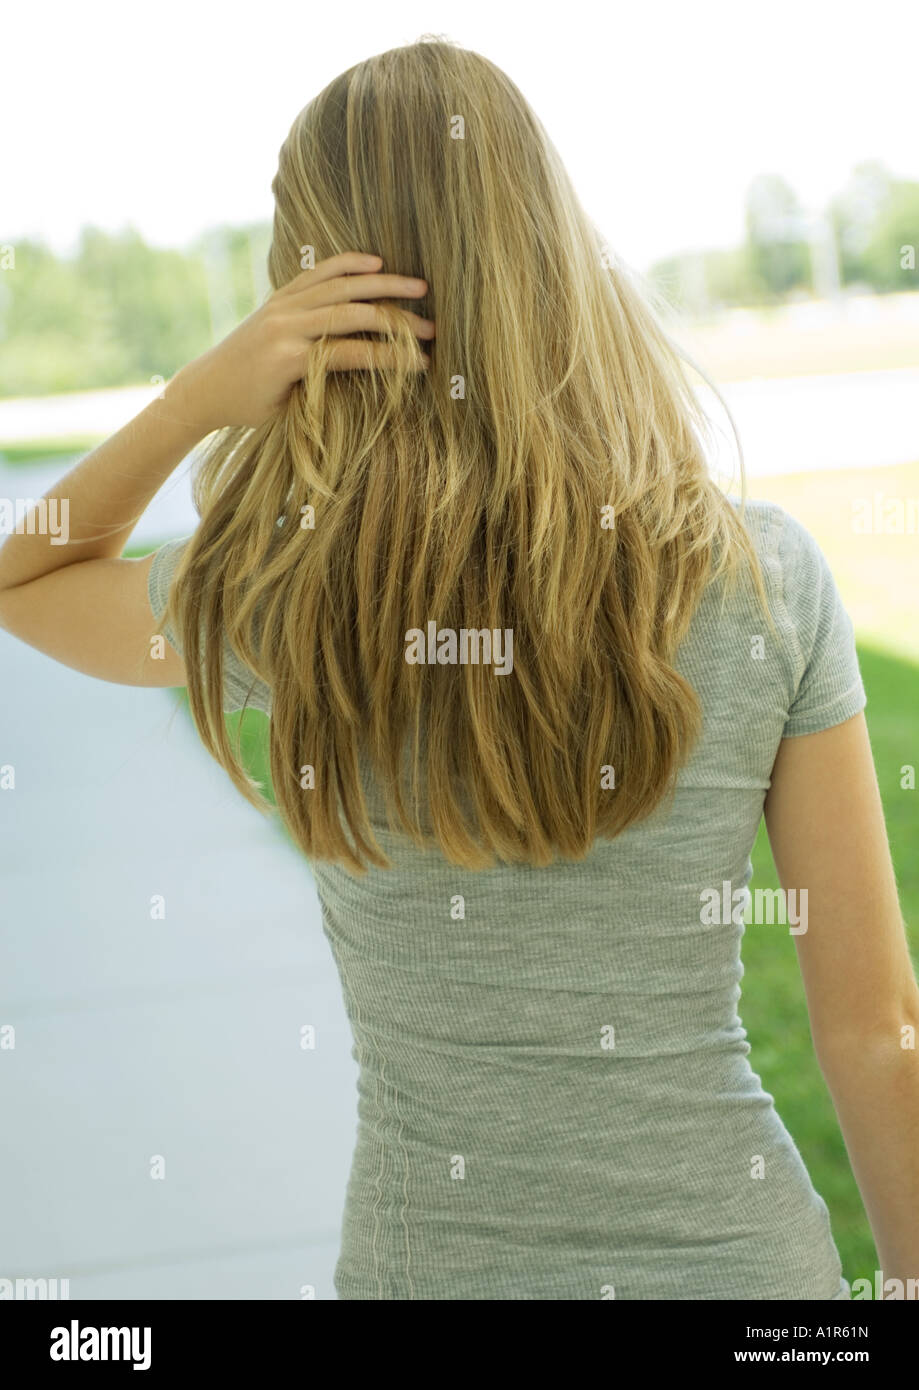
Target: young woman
533 680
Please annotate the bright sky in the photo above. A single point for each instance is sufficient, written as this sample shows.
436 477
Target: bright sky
170 116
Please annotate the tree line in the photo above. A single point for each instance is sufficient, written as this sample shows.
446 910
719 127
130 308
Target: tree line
120 312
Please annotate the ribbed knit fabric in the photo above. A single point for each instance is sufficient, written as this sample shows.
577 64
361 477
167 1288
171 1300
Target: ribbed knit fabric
555 1097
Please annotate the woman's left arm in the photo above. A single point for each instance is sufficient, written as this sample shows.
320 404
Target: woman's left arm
70 594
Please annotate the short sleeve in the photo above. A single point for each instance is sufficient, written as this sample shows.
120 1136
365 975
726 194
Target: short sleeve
242 688
827 686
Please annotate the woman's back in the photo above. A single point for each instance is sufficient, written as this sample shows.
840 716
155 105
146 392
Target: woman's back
555 1099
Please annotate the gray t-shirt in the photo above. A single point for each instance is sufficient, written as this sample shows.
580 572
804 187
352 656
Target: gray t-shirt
555 1099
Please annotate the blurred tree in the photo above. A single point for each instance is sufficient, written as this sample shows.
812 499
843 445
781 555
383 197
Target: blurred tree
155 301
897 226
119 312
54 335
854 213
708 281
874 217
777 237
236 273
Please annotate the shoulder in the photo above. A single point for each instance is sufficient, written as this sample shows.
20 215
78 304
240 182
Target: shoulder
826 687
818 637
795 570
777 535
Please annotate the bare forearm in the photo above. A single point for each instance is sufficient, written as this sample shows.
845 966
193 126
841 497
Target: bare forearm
99 502
875 1090
243 381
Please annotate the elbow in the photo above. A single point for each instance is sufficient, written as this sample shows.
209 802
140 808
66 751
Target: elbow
868 1049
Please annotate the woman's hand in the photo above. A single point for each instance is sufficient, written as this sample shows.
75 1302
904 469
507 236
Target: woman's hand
248 376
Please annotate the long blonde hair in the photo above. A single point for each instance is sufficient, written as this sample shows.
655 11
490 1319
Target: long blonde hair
546 475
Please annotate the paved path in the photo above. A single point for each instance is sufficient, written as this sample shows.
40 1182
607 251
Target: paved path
137 1036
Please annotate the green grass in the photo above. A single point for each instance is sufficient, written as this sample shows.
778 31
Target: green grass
253 727
46 450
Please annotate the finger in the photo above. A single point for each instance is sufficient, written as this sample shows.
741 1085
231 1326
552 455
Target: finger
345 288
358 354
348 263
355 317
423 328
